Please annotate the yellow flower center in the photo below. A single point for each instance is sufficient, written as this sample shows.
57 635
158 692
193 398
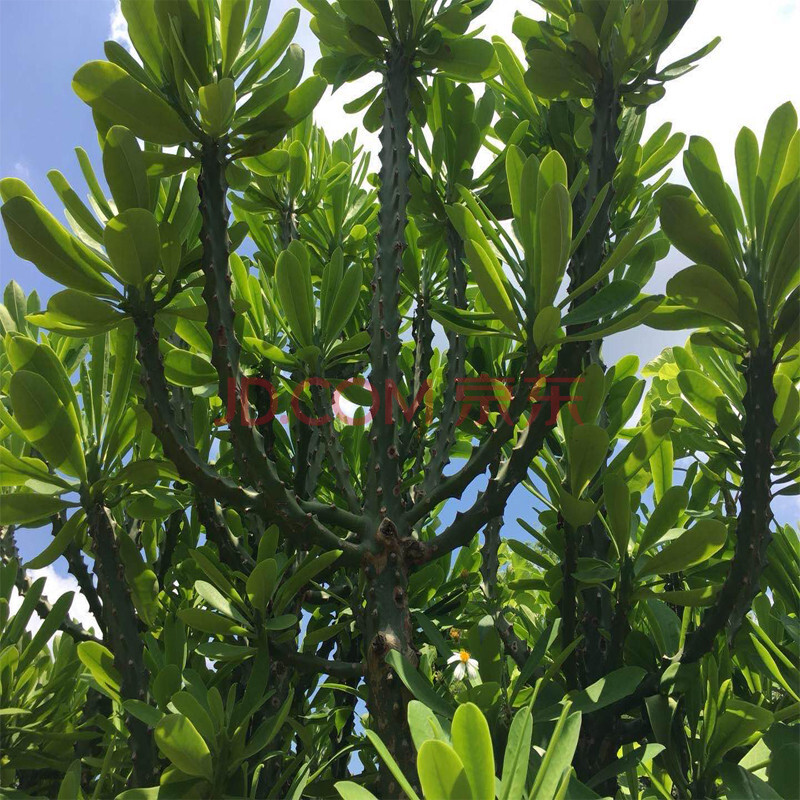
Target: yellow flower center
464 656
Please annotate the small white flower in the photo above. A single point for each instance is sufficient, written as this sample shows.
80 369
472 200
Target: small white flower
464 665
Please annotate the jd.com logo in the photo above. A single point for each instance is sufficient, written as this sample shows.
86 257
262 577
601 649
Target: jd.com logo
482 395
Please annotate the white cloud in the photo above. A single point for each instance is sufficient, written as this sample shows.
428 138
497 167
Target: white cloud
55 586
119 28
21 170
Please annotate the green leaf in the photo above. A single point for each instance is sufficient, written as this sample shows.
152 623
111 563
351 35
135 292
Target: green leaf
617 499
645 752
697 235
694 546
344 304
700 391
37 236
744 785
473 745
463 59
423 723
517 754
366 13
185 368
217 600
526 217
308 570
125 170
610 298
417 685
662 468
492 284
664 516
702 168
442 774
628 319
114 94
50 624
100 663
352 791
21 509
148 714
555 237
261 583
70 787
298 167
736 725
143 31
49 425
781 127
588 448
59 542
164 165
124 355
618 257
558 757
746 171
180 742
232 19
77 314
24 471
393 766
280 623
641 447
78 213
575 511
546 328
209 622
133 245
270 51
552 75
293 281
287 111
217 106
608 690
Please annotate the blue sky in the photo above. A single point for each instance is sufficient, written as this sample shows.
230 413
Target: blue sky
43 42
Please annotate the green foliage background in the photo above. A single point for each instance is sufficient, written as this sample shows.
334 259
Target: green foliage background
281 611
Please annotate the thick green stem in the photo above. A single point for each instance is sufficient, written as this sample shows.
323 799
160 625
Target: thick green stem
76 567
587 260
172 435
456 361
123 640
569 602
275 502
388 627
225 349
383 491
753 533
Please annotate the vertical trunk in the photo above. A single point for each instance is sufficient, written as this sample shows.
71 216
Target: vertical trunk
124 641
383 491
588 663
456 352
212 186
388 627
387 624
755 514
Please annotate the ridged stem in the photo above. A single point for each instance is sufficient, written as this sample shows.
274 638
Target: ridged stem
456 362
123 640
753 533
225 349
384 350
